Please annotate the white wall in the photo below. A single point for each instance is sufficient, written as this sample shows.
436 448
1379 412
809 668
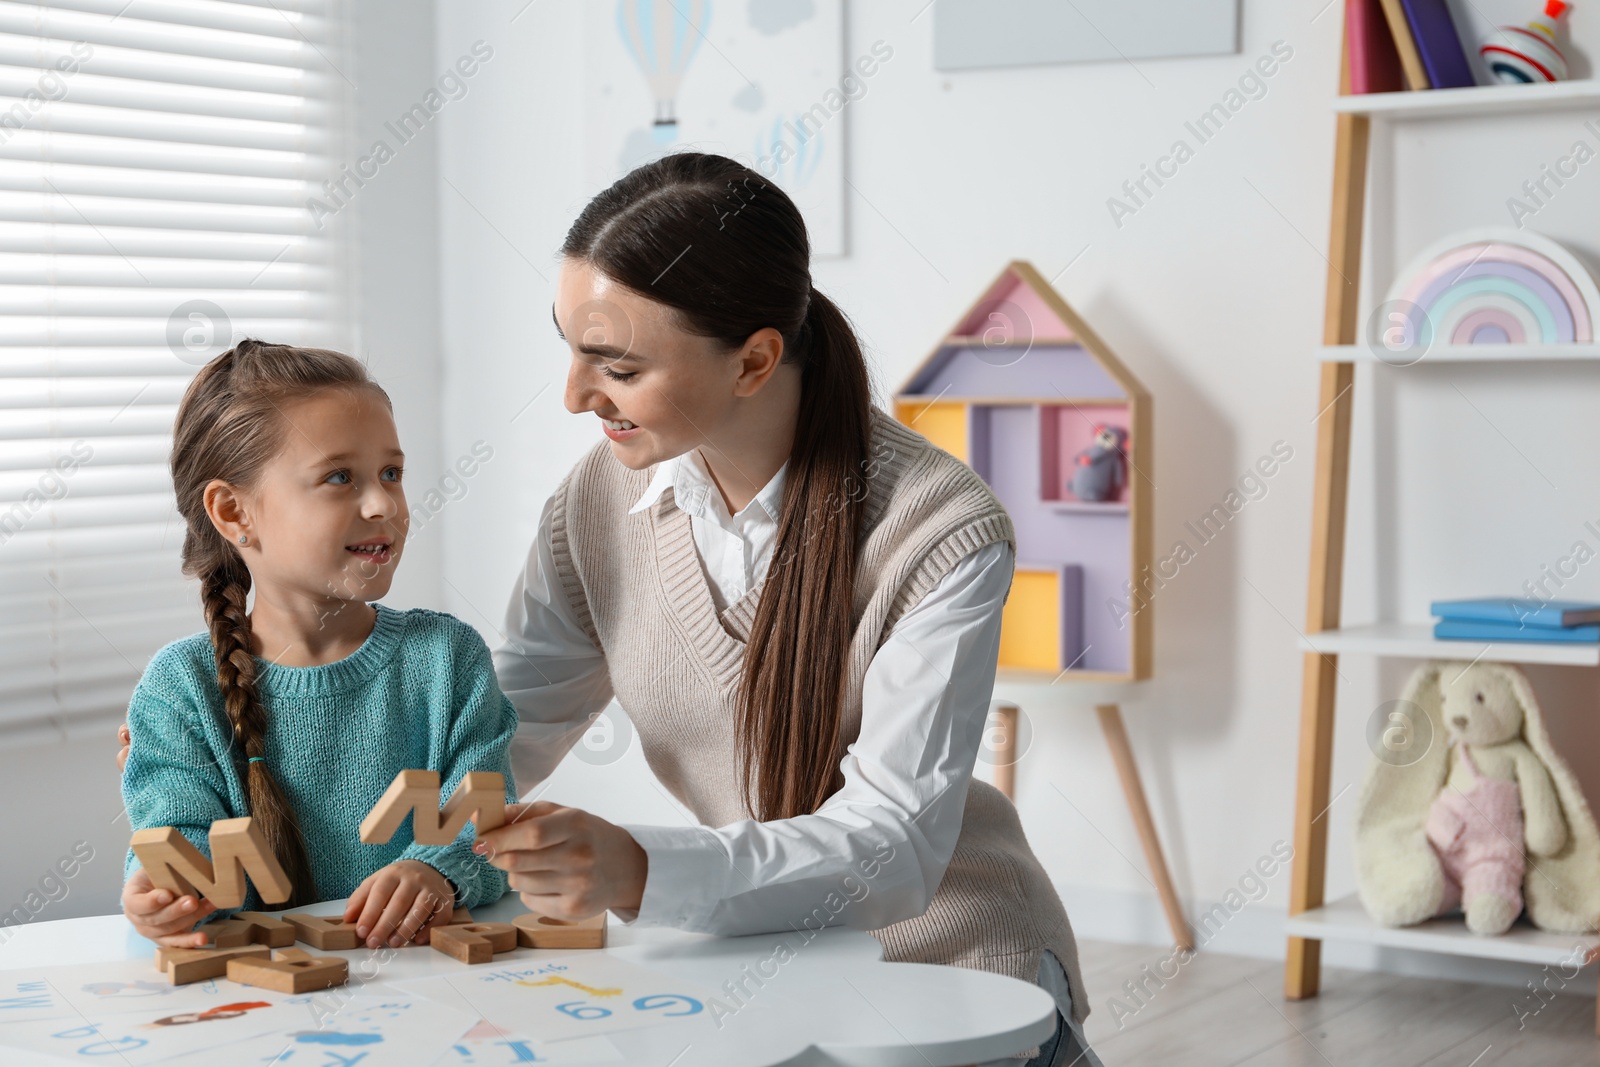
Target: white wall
1212 291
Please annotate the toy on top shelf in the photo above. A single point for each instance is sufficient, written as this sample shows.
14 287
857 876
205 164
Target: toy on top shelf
1492 285
1018 389
1521 54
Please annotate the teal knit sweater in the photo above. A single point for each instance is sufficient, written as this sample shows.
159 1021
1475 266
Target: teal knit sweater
420 692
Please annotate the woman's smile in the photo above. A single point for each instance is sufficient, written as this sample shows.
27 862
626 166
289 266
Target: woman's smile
619 429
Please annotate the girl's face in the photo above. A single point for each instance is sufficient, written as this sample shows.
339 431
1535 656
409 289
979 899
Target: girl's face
658 390
328 518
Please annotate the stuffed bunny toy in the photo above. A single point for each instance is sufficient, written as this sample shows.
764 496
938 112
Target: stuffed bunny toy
1498 805
1488 819
1097 472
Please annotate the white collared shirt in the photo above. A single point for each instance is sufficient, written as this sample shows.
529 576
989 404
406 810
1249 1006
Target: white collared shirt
733 549
925 700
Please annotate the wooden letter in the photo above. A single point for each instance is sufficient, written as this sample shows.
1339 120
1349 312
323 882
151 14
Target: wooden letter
327 932
290 970
185 965
237 848
331 933
248 928
541 931
474 942
480 796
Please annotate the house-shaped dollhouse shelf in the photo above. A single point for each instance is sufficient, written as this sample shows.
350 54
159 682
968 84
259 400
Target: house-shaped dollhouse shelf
1020 390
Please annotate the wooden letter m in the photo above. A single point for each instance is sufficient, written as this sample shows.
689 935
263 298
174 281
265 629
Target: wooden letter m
481 796
237 847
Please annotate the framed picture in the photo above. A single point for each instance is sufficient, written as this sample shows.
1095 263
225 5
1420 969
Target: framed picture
1007 33
763 81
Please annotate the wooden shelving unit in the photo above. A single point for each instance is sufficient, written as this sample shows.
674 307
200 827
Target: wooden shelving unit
1312 920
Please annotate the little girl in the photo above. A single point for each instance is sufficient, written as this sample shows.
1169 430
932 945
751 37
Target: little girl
301 711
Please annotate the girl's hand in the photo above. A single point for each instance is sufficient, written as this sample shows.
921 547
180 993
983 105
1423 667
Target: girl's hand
162 915
400 903
124 739
566 863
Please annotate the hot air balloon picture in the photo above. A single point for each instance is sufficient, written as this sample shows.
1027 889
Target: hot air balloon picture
790 151
762 81
663 36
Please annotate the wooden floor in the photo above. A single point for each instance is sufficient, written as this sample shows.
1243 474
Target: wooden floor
1227 1010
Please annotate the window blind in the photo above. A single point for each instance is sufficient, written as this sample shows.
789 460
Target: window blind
156 160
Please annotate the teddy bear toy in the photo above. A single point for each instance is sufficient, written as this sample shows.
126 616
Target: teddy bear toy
1487 819
1097 472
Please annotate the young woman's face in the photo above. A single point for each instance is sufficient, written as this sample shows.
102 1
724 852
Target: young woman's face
658 391
328 517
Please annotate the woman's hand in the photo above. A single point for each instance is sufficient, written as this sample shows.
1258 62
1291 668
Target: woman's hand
162 915
124 739
400 903
566 863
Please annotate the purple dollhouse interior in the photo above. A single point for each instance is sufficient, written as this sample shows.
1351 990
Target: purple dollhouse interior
1020 389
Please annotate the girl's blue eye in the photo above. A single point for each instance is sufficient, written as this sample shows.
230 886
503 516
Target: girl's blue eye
396 471
340 474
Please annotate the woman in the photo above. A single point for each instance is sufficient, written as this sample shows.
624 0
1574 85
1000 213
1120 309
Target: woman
796 600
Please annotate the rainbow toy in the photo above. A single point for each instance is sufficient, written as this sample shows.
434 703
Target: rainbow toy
1500 286
1528 53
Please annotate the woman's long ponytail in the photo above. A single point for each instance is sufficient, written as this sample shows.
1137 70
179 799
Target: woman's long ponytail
796 658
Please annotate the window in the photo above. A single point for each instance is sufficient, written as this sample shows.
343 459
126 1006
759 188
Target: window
156 162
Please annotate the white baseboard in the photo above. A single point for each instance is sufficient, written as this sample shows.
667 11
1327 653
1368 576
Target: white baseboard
1257 931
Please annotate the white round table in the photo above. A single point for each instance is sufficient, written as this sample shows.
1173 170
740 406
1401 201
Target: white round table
832 999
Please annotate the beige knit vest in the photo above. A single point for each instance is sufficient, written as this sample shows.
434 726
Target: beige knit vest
638 587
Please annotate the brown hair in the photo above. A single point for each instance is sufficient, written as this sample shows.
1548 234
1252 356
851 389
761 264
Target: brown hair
727 250
229 426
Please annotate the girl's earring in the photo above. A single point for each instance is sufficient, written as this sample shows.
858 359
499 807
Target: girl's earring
243 538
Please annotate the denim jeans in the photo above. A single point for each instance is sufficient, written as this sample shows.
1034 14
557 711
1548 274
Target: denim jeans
1064 1049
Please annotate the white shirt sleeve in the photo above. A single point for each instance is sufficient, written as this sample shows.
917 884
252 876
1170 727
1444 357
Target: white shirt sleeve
547 665
875 852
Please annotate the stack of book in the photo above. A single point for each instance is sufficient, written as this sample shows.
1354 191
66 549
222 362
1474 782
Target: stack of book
1395 44
1512 619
